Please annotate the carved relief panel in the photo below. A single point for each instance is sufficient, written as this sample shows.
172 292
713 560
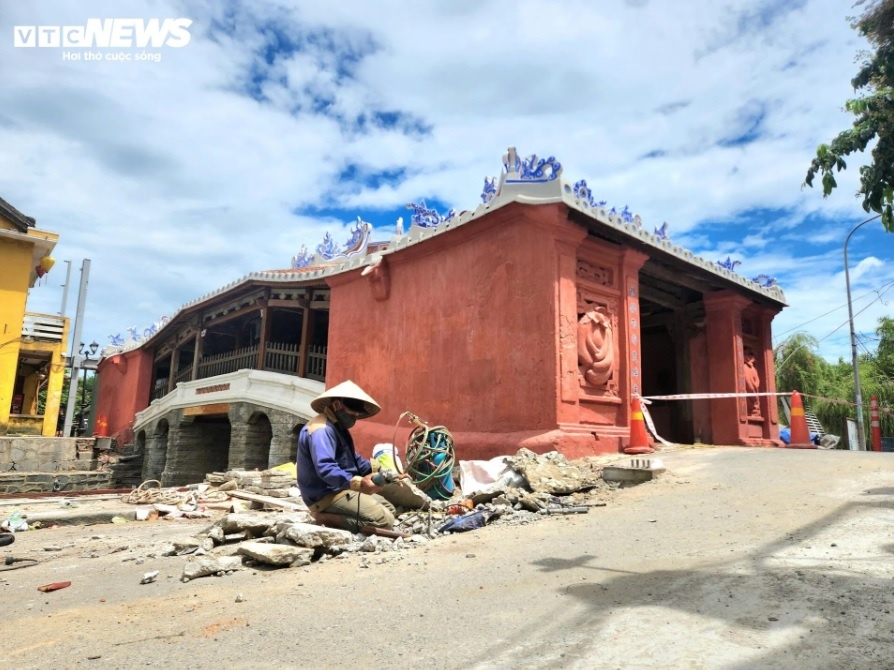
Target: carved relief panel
749 369
593 273
597 346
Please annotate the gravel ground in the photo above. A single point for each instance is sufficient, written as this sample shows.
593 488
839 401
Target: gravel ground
736 558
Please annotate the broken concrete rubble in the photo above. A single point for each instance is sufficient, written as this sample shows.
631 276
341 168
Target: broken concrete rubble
257 524
553 473
203 566
276 554
311 536
540 485
273 483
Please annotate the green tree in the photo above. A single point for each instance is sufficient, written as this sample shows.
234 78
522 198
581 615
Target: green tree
873 109
799 367
85 395
885 351
880 381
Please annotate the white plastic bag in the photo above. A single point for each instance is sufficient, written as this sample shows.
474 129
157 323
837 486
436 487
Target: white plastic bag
477 476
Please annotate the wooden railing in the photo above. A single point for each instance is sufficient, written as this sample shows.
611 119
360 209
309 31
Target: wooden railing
316 363
183 375
282 357
160 390
245 358
279 357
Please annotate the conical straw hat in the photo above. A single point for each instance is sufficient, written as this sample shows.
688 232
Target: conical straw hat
349 390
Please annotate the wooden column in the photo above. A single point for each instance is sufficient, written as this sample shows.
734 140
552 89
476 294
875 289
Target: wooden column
173 370
306 325
197 352
683 423
265 333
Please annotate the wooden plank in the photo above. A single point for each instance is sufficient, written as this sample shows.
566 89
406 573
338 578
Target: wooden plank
206 410
267 500
229 316
298 303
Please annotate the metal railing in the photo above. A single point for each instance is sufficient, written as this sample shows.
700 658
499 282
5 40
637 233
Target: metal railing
43 327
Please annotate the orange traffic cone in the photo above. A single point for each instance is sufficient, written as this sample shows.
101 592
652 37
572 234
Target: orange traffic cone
800 438
639 439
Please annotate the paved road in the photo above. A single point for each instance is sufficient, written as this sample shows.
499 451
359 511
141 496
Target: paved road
738 558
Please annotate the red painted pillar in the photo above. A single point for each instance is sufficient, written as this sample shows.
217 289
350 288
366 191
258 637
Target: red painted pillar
723 311
874 422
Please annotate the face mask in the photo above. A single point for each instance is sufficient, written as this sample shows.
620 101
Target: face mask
346 420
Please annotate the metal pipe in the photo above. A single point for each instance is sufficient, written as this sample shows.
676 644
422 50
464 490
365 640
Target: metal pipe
858 394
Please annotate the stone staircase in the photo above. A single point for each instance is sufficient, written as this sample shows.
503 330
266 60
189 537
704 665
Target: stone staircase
127 471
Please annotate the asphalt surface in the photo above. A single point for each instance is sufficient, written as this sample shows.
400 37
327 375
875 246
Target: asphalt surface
736 558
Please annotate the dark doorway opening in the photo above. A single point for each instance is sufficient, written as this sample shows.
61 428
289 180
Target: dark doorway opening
258 436
665 369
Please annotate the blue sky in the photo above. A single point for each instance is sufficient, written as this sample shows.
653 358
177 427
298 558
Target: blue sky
282 120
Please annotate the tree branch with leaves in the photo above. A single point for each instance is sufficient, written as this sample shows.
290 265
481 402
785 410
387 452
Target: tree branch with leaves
873 110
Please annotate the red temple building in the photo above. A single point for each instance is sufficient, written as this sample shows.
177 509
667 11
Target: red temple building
528 322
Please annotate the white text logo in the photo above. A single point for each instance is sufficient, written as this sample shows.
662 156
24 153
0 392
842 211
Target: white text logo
107 33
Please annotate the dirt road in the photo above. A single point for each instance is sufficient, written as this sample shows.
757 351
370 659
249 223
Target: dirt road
737 558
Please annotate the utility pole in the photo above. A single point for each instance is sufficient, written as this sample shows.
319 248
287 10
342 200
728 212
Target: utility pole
65 289
858 393
74 351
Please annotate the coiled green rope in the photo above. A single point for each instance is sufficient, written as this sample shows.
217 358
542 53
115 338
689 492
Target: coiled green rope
430 458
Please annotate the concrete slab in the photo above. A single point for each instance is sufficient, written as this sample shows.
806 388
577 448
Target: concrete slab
638 470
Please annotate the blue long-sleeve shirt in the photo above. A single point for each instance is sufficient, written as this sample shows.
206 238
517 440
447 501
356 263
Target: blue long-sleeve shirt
326 460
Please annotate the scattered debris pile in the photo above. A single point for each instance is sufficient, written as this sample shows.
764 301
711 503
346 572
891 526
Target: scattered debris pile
172 503
279 531
272 539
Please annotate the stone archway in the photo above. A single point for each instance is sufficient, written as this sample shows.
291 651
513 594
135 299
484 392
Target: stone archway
258 435
156 450
201 445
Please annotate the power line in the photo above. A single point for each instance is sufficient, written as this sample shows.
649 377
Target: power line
835 309
801 346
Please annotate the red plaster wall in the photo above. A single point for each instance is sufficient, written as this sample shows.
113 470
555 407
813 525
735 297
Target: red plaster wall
466 337
123 391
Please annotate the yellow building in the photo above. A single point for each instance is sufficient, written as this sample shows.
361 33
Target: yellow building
32 346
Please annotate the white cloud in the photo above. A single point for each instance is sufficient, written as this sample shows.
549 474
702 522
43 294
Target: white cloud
175 181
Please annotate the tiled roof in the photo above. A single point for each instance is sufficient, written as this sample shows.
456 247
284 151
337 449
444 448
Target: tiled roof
18 219
527 181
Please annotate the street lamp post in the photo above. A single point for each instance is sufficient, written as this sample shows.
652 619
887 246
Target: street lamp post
85 357
858 394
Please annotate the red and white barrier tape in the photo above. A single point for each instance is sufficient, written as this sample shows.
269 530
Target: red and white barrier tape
651 427
707 396
711 396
